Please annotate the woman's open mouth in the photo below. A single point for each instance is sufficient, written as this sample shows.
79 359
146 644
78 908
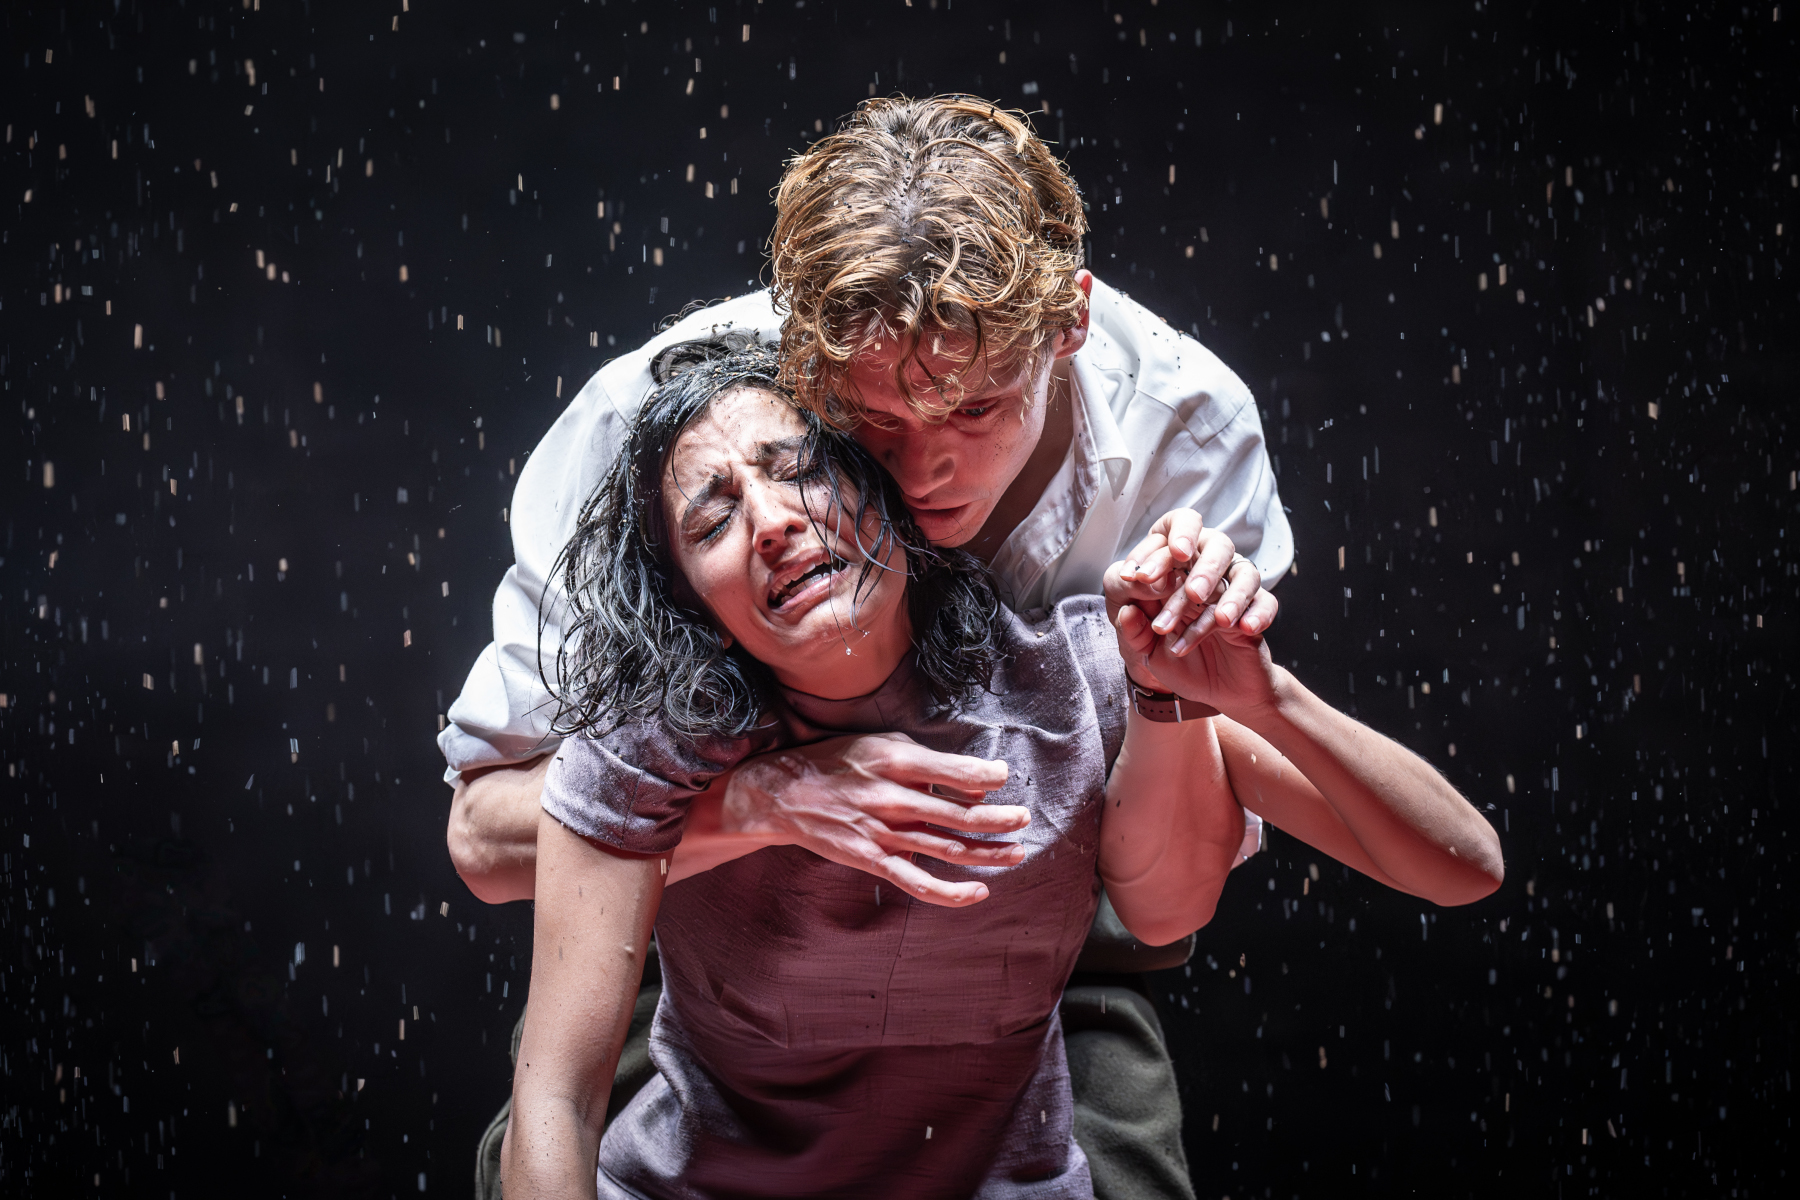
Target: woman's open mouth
781 595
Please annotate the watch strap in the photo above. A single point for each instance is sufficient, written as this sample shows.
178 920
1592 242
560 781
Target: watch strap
1167 706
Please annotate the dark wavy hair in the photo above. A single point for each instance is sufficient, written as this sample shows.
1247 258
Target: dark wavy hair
640 643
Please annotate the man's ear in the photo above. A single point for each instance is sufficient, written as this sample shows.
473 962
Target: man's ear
724 639
1069 340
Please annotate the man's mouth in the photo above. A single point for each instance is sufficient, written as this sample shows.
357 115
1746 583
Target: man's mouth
781 595
935 512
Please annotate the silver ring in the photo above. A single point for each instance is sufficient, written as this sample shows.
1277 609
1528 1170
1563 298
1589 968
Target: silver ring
1235 560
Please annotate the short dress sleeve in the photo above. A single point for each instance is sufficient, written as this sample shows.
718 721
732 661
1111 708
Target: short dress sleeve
631 788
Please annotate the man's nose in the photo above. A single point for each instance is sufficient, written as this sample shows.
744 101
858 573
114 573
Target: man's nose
917 461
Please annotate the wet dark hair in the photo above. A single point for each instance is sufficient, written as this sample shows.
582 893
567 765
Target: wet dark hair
641 644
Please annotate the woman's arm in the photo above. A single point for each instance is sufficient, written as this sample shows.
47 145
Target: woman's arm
595 909
1362 798
1170 830
1331 781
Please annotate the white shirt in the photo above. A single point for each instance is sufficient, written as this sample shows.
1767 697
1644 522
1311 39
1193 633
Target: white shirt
1160 423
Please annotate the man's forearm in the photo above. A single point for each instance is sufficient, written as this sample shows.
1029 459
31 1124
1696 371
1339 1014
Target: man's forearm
714 833
1414 827
493 829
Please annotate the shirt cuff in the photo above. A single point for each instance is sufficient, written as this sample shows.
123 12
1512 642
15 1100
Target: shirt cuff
1255 838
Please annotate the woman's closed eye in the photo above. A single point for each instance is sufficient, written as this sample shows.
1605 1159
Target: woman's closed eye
706 522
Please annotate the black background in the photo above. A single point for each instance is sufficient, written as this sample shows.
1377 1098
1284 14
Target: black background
1568 519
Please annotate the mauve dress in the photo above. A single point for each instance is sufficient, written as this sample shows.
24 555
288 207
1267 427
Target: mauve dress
821 1034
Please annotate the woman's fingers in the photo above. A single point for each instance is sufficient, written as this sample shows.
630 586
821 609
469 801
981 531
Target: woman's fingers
1172 541
1242 584
1181 529
1260 614
1139 554
1156 573
1176 612
1211 562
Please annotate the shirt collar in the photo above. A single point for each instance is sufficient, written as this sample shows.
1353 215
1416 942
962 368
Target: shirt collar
1098 462
1097 379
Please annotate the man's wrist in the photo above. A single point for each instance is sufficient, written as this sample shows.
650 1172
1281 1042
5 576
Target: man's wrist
745 798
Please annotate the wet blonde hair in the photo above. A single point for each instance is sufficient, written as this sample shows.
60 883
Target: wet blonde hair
916 219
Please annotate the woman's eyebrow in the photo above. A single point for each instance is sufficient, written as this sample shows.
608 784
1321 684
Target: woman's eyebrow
702 496
769 451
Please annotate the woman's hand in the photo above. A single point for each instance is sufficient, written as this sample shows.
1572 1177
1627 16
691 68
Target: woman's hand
1187 579
1231 670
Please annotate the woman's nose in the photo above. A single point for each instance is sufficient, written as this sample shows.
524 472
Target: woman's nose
775 515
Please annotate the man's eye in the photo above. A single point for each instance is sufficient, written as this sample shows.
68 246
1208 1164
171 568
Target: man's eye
982 411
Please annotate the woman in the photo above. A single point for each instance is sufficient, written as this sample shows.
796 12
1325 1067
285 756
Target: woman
746 579
816 1036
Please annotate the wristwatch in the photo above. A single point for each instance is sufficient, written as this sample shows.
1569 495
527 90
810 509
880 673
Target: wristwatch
1167 706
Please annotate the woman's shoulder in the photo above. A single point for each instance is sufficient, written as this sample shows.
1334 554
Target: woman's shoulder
1066 657
1074 630
1073 617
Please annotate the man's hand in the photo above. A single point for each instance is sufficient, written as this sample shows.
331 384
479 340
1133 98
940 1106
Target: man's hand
493 829
1183 575
866 801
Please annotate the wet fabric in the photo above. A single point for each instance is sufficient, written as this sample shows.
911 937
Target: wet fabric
820 1034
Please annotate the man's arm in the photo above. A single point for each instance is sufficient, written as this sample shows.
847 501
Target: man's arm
493 831
861 801
1333 782
1362 798
592 932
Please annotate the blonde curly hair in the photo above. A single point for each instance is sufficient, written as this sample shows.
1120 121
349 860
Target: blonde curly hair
916 219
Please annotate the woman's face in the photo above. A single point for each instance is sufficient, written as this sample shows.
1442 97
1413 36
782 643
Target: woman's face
736 509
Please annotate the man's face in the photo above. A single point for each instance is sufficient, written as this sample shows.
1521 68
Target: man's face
954 472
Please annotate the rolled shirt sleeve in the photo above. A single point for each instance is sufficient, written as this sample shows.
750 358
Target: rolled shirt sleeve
1211 455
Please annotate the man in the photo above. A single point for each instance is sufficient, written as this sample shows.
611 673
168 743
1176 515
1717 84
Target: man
928 256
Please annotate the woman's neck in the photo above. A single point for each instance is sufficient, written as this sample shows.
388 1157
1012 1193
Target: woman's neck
855 664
